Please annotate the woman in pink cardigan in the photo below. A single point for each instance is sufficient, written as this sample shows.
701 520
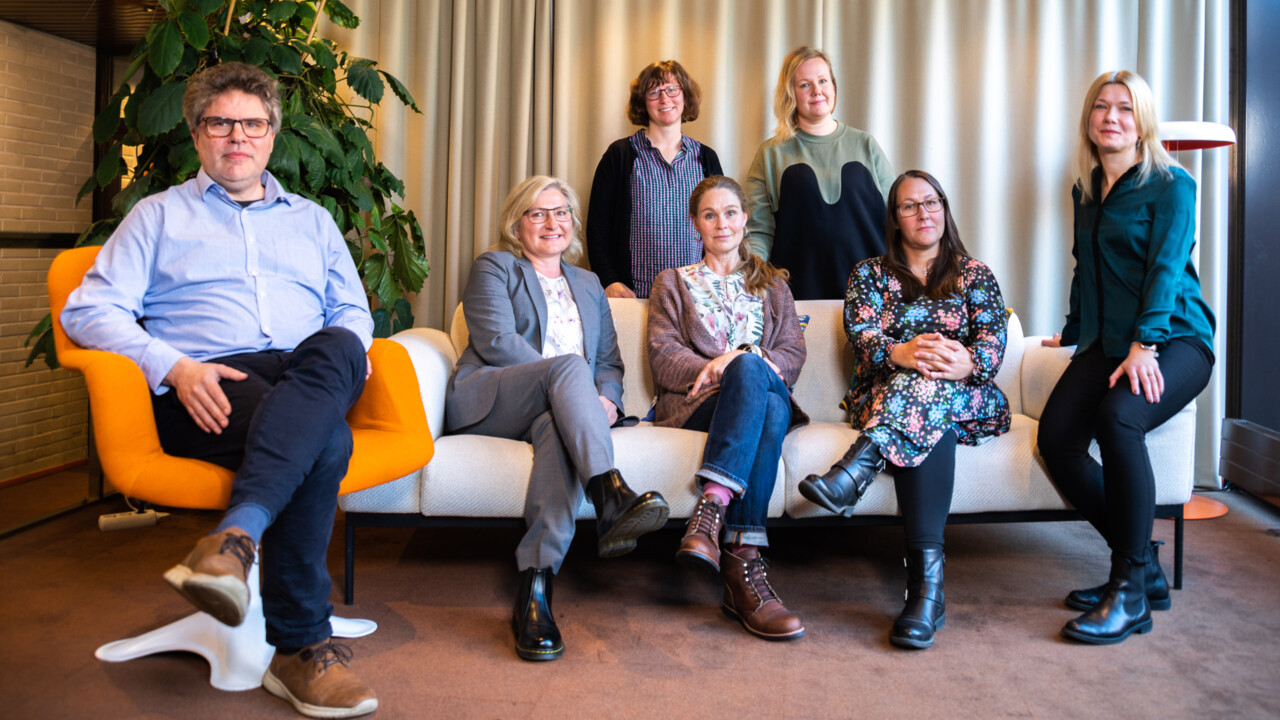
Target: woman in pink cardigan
725 347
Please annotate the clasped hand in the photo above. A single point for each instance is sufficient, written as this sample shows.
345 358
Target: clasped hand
934 356
714 370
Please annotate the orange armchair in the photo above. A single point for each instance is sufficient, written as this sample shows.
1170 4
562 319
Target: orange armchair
391 439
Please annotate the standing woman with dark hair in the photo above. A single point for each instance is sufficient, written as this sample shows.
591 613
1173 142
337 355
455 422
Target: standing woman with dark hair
638 224
1143 337
817 188
927 325
725 347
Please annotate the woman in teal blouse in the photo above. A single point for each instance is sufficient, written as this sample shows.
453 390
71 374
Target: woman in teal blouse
1143 338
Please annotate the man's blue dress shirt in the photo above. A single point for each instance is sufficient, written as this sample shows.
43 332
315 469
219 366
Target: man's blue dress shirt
191 272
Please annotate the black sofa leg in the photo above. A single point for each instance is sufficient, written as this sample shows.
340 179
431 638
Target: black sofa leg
349 576
1177 550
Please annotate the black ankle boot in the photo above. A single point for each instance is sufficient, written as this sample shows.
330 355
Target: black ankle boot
841 487
1157 585
926 608
1121 611
621 515
537 637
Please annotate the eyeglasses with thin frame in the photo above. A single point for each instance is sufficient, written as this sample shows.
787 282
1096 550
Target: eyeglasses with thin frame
222 127
909 208
669 90
540 214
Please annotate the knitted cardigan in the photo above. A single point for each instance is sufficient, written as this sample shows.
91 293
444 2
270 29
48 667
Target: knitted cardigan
680 346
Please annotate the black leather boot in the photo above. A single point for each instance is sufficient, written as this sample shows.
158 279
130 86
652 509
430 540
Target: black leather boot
841 487
1157 585
926 607
1121 611
537 637
621 515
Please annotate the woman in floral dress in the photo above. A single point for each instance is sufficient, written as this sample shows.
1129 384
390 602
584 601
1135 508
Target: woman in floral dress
927 325
725 347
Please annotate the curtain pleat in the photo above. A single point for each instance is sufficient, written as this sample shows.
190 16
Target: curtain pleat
984 94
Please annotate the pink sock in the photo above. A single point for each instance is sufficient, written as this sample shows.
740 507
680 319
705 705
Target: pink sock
717 491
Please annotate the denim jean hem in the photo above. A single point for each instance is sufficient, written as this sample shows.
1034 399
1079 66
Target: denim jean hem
745 536
716 475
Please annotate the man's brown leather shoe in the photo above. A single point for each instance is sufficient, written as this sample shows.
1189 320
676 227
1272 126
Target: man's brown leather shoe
750 598
700 545
319 682
213 575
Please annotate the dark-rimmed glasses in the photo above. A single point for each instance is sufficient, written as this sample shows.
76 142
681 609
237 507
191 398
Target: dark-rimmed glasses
540 214
669 90
222 127
909 208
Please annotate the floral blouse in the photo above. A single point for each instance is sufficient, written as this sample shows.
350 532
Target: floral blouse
564 324
730 314
901 410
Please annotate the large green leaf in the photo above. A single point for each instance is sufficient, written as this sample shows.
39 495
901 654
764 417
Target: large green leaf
166 49
281 10
108 121
312 164
109 167
319 136
136 190
162 110
378 279
255 51
284 157
400 91
204 7
364 80
195 28
341 15
323 55
287 59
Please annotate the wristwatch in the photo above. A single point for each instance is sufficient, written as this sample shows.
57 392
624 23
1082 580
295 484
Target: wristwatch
753 349
1155 351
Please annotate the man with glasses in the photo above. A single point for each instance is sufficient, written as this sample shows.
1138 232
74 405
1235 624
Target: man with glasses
242 306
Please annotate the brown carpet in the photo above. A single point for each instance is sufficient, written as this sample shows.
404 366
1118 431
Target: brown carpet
646 640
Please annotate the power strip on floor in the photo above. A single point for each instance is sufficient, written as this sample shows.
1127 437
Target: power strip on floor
126 520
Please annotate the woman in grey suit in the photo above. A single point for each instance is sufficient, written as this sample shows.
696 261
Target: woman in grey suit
542 366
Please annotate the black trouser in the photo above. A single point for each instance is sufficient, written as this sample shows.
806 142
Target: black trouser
1117 497
924 494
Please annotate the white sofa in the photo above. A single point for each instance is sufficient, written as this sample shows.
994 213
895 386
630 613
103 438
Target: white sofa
477 480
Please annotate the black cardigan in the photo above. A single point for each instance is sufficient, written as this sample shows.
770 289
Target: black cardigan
609 211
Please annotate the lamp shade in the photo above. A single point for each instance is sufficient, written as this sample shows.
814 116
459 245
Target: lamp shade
1195 135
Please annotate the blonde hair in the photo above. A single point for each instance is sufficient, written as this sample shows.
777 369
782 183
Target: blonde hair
758 274
1152 155
784 95
521 199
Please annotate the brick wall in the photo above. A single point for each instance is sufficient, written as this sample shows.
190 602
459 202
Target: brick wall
46 117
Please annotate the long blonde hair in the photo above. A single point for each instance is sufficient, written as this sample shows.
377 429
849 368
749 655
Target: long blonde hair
521 198
1152 155
758 275
784 95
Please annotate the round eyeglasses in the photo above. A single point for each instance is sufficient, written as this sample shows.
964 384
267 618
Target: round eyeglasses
221 127
907 209
668 90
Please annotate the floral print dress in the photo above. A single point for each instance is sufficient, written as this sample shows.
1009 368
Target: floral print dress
904 412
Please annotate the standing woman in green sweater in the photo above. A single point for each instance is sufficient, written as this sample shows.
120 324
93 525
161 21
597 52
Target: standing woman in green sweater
817 188
1143 338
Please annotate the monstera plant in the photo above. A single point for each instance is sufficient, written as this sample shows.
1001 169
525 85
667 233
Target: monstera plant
322 151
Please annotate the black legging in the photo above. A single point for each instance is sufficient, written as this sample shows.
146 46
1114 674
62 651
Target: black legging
924 494
1118 496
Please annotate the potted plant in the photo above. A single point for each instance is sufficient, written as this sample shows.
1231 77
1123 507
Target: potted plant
322 151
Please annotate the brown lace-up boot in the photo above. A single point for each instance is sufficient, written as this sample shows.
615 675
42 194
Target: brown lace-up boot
318 681
750 598
700 546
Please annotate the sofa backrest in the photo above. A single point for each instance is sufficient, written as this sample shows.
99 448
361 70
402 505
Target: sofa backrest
827 368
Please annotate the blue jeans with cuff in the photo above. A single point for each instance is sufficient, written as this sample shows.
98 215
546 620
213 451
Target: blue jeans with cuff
745 423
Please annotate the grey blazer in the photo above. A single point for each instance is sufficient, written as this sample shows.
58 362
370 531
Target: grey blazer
506 316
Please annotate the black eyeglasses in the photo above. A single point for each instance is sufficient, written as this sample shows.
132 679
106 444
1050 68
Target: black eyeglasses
221 127
909 208
669 90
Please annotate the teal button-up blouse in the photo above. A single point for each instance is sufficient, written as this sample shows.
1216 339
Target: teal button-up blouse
1134 280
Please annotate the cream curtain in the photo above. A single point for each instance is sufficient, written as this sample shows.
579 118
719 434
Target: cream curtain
984 94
